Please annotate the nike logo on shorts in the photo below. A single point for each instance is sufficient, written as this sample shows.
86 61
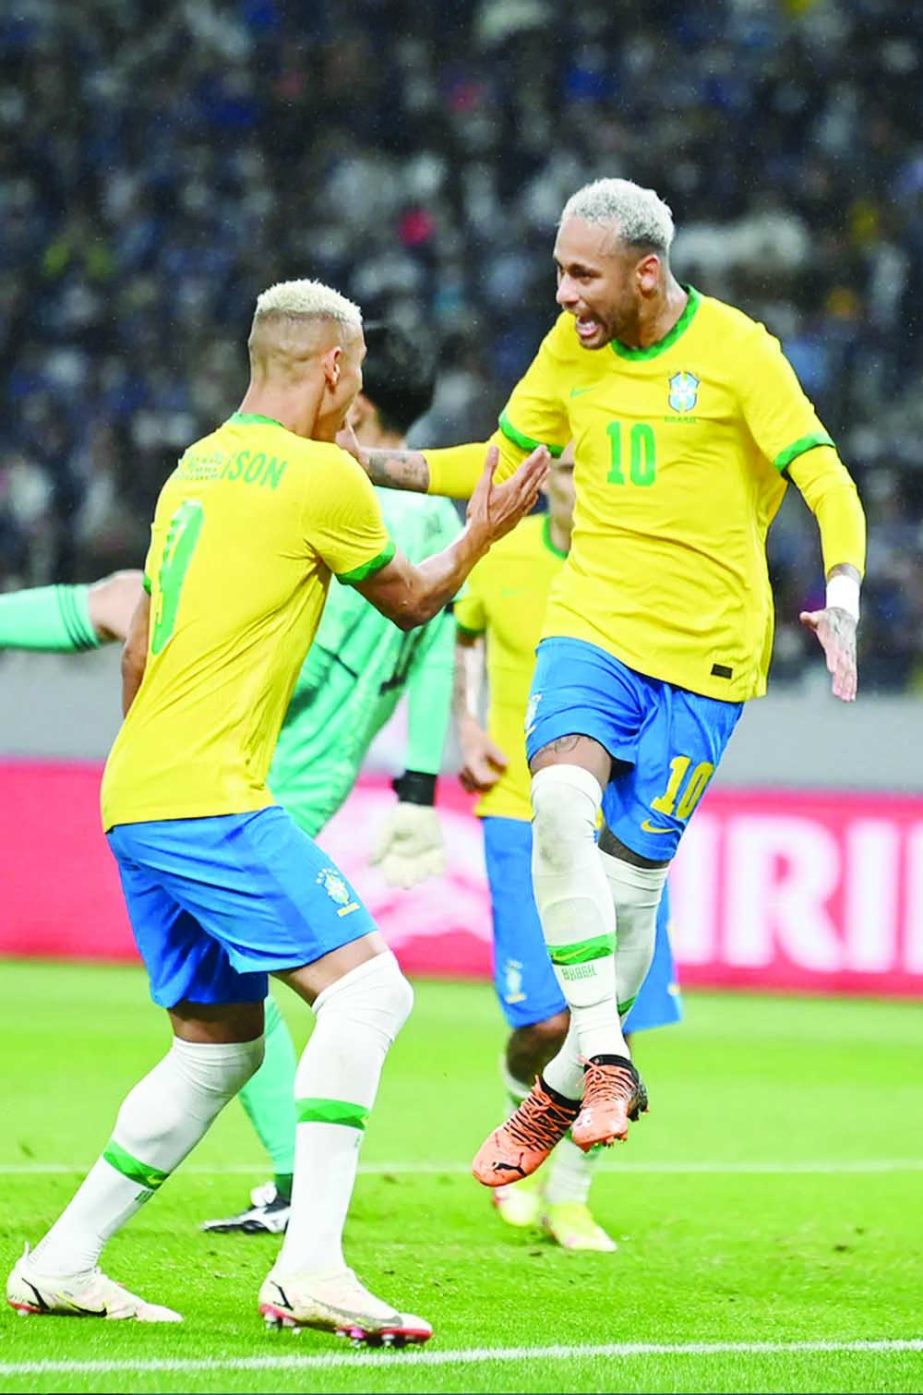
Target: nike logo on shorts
649 827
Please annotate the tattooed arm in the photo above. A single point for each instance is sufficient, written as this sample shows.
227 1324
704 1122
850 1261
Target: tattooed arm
449 470
399 469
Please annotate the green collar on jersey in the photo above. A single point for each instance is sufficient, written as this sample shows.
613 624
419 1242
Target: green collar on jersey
547 538
254 419
668 340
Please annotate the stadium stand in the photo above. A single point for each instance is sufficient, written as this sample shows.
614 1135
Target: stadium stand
158 165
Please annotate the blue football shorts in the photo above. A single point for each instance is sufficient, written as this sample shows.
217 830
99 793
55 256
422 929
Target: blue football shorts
524 980
667 741
216 904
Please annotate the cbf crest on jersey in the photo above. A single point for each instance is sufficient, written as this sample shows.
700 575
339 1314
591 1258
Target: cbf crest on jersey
337 890
684 391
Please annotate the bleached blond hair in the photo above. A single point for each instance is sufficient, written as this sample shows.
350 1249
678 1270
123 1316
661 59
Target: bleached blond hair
304 300
637 216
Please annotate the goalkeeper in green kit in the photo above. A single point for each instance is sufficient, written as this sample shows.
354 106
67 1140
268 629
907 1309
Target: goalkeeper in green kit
354 676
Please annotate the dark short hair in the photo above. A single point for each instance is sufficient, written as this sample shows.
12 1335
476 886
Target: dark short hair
398 376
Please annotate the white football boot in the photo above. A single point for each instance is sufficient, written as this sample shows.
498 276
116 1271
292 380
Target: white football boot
32 1293
337 1303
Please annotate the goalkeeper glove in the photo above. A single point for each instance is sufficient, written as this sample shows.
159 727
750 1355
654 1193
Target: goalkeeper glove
410 846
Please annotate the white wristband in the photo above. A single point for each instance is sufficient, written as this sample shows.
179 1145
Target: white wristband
843 592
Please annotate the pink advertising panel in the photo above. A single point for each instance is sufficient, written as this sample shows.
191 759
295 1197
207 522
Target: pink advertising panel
773 889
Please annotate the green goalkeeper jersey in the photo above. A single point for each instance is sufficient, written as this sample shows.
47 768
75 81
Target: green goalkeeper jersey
355 673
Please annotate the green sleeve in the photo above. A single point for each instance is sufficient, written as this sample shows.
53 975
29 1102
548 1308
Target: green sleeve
48 618
430 697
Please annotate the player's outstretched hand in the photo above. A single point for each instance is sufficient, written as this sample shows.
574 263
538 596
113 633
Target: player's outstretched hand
836 631
410 846
482 761
495 509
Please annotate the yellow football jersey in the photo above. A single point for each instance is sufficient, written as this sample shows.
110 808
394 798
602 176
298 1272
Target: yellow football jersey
247 532
504 599
679 453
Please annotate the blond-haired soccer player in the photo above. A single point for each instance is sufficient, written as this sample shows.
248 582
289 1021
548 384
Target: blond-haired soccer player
688 425
352 679
499 619
222 886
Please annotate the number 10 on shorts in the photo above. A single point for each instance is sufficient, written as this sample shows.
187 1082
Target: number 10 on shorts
684 790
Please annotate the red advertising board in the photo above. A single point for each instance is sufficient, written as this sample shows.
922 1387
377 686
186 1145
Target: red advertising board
776 889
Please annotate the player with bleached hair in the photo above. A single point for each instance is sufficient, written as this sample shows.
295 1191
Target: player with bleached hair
688 424
222 886
355 673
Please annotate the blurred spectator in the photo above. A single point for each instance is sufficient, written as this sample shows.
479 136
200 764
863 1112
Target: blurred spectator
160 165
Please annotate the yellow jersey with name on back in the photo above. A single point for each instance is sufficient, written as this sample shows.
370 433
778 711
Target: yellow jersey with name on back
679 452
247 532
504 599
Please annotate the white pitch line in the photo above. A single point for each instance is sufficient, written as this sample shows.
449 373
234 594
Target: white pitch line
470 1356
457 1169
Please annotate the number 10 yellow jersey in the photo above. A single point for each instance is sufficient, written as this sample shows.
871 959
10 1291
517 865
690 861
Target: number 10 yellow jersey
679 452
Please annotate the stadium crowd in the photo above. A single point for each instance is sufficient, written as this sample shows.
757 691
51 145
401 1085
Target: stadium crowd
161 165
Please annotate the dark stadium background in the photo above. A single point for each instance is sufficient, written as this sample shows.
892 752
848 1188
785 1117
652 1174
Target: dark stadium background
161 165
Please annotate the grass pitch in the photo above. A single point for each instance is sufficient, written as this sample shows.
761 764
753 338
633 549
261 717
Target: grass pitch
768 1210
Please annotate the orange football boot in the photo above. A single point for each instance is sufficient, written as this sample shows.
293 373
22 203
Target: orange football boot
523 1142
613 1094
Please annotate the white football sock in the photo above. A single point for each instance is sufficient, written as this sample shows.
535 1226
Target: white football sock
160 1122
575 904
636 893
564 1073
571 1173
358 1017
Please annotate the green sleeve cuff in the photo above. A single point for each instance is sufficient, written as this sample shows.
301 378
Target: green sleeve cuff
369 568
804 443
467 630
146 583
49 619
524 442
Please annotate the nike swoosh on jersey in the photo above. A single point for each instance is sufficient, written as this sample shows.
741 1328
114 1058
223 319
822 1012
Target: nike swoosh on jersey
579 391
652 828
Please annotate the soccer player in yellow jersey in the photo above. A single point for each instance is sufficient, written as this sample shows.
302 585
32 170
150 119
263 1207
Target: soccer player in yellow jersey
688 425
501 612
222 886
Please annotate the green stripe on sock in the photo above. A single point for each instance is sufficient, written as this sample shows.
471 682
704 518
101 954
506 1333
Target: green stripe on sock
135 1171
331 1112
582 951
628 1003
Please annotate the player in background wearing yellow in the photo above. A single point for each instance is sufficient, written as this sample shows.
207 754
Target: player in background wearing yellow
500 611
688 424
222 886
